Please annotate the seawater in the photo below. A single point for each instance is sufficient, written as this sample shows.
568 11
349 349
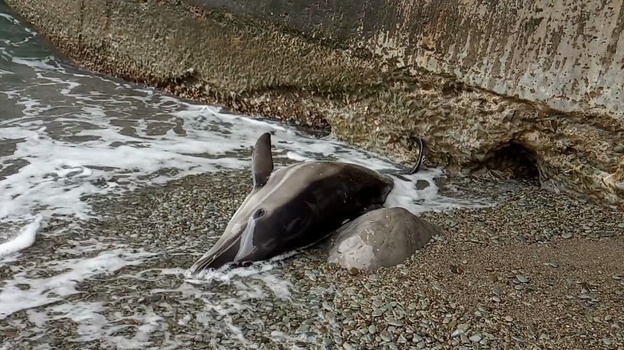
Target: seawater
65 133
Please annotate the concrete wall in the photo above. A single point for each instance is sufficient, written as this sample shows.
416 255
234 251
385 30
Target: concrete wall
567 53
497 83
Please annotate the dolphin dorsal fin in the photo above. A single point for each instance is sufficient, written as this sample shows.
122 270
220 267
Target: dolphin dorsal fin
262 160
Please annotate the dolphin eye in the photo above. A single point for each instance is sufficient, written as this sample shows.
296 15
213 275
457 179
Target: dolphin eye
259 213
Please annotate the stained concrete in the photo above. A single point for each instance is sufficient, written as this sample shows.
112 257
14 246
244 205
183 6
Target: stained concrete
524 88
567 54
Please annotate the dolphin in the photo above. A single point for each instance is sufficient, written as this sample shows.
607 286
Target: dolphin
295 207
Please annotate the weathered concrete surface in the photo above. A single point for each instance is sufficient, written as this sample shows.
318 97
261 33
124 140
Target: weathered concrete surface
518 83
566 53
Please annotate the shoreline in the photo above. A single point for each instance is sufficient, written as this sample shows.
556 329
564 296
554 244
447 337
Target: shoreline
495 278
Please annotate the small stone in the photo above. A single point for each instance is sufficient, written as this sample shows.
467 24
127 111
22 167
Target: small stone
461 329
567 235
522 279
475 338
553 264
508 318
303 328
394 322
372 329
310 275
422 184
456 269
386 336
607 341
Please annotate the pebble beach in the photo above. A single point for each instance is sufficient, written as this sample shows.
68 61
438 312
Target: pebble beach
109 191
537 271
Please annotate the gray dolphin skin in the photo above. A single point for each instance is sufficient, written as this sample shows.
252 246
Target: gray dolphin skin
294 207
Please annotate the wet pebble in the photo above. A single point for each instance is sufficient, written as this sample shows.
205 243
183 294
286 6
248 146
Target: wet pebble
475 338
522 279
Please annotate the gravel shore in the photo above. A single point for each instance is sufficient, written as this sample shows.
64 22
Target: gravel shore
539 271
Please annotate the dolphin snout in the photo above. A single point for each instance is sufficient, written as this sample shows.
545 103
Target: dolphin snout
219 255
237 246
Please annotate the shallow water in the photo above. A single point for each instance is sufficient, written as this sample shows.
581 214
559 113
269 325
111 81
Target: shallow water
66 134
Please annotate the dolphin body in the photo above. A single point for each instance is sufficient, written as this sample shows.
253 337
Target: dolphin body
295 207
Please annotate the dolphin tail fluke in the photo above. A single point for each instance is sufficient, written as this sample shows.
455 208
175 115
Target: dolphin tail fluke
421 155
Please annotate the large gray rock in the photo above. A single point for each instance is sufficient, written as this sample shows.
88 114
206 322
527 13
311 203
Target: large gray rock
380 238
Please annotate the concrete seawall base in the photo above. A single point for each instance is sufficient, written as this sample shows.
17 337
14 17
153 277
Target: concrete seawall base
529 89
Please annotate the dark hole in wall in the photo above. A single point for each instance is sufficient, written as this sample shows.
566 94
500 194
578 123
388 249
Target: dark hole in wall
515 161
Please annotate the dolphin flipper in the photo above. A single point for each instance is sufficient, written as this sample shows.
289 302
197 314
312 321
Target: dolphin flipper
262 160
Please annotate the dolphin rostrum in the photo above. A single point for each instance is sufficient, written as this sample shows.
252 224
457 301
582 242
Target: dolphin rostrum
295 207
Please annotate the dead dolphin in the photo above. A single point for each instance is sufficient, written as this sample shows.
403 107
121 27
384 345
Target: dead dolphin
294 207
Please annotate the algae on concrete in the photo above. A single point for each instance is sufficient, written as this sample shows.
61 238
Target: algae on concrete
518 90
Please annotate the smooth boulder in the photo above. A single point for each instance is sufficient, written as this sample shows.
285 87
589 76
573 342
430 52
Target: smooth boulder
380 238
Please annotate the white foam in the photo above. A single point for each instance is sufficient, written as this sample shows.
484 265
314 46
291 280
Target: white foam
244 287
87 315
406 194
24 239
44 291
227 274
92 325
9 18
255 269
